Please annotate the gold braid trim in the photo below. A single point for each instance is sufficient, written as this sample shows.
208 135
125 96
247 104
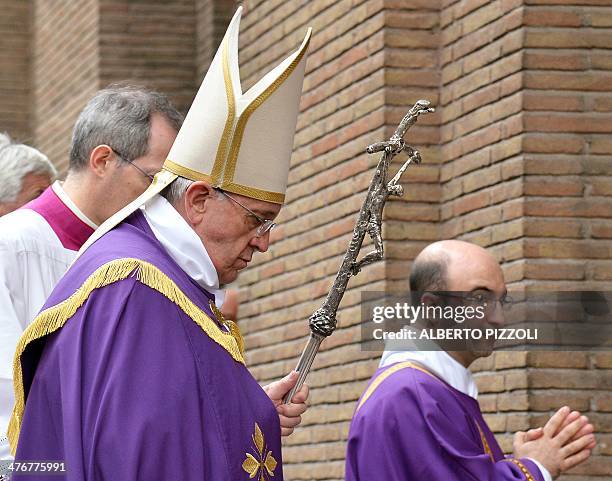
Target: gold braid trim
53 318
485 444
384 375
231 325
522 467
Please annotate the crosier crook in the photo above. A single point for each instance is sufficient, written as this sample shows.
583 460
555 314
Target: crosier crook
323 321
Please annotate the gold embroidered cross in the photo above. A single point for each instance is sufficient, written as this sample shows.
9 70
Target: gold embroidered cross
259 465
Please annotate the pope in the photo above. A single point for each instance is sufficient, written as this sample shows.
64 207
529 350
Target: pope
130 371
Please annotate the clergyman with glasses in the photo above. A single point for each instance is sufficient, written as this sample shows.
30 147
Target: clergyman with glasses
419 417
39 241
130 370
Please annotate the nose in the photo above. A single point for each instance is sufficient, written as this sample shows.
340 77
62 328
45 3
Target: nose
496 315
261 243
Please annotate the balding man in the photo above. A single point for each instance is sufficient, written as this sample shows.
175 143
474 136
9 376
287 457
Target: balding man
419 417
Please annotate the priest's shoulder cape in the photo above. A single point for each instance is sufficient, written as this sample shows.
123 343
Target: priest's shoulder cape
410 425
127 374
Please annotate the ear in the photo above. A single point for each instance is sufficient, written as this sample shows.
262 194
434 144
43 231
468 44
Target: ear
99 159
197 201
429 299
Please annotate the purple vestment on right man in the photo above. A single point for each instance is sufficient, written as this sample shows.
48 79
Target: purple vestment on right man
136 379
410 425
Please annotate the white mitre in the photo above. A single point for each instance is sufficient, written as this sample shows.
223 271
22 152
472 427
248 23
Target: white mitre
239 142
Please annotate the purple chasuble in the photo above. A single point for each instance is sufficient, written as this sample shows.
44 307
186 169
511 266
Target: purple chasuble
133 388
71 231
410 426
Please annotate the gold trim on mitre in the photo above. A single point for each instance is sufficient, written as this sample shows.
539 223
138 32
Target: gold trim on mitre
187 173
230 170
252 192
217 170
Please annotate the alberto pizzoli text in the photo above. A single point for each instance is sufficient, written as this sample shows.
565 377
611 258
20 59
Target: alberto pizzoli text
409 333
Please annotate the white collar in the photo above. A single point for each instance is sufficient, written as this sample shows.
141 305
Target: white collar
183 245
61 193
439 363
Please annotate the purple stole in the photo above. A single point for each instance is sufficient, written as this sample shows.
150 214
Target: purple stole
71 231
127 374
410 425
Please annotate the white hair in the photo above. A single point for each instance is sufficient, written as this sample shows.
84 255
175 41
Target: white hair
16 161
175 191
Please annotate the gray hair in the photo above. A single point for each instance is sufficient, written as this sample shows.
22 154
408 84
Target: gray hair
175 191
120 117
17 161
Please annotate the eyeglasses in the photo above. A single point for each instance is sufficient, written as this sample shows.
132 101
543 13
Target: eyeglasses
484 299
265 225
151 177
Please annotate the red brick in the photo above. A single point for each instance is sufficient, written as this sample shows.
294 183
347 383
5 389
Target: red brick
552 165
554 271
600 145
569 207
567 249
471 202
600 186
547 143
552 17
544 401
571 123
567 2
598 18
482 178
568 80
558 359
570 379
541 227
547 61
507 231
545 186
601 230
602 271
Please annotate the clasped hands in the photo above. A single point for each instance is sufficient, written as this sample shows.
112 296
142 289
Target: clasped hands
564 442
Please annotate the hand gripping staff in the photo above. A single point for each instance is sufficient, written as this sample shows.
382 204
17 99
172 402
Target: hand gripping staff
323 321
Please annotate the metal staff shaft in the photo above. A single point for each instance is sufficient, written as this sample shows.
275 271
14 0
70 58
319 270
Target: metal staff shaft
323 321
305 363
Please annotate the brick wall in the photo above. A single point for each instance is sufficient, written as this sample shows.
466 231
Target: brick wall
212 18
149 43
14 69
64 70
516 159
524 96
81 46
567 224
